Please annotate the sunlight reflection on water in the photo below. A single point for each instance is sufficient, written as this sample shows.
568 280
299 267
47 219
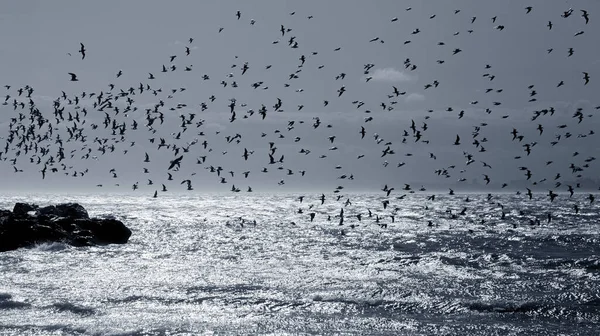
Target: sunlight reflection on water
198 263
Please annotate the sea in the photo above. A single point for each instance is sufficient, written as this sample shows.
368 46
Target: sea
254 264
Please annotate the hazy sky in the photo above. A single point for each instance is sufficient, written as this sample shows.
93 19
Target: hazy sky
138 37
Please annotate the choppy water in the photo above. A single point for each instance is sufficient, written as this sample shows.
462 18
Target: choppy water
191 267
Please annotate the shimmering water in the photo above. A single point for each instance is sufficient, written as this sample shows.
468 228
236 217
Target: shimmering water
193 266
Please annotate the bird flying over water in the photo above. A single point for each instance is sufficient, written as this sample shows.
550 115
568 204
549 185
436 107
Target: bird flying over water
63 139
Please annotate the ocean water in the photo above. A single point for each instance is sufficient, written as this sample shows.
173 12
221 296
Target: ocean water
197 264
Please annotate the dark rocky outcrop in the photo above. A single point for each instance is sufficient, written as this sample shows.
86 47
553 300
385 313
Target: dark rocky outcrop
28 225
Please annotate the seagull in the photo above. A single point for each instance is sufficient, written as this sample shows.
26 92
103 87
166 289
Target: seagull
82 50
189 184
175 162
586 77
73 77
584 14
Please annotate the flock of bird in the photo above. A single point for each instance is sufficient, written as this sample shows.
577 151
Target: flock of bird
37 138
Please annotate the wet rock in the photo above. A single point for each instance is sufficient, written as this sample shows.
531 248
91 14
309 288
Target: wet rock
69 223
48 210
21 209
72 210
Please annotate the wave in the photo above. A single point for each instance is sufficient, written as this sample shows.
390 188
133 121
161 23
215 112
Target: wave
9 304
6 302
51 247
577 311
504 307
30 329
590 264
73 308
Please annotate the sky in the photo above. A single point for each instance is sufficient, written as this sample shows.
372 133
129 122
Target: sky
39 47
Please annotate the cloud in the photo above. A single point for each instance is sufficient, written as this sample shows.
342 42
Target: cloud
391 75
414 97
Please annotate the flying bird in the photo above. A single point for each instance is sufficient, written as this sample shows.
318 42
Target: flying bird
586 78
585 15
175 163
82 50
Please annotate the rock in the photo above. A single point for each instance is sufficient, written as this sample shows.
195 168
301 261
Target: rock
21 209
72 210
48 210
68 223
3 214
106 230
